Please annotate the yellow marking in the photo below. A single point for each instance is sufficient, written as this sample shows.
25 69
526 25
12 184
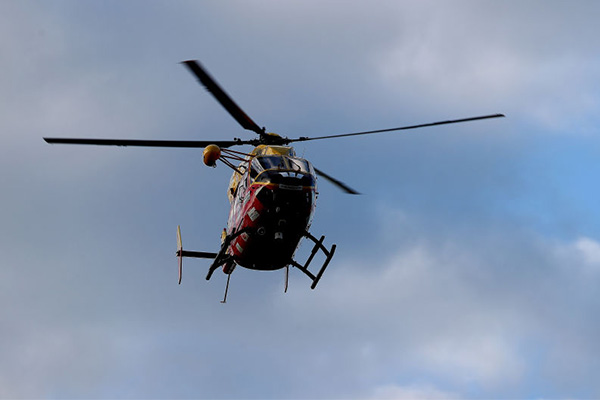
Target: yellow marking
265 150
260 150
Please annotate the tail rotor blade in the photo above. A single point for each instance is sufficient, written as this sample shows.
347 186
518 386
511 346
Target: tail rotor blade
179 252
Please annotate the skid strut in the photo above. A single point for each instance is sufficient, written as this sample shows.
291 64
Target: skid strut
227 285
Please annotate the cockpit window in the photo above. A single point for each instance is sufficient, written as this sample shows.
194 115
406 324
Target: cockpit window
279 163
255 168
298 165
272 162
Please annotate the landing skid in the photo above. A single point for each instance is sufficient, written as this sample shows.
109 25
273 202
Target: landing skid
304 268
222 258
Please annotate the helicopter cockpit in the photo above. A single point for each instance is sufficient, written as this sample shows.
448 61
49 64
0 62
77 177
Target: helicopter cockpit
271 164
276 168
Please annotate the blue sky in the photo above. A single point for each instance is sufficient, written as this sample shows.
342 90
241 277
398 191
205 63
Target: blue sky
469 267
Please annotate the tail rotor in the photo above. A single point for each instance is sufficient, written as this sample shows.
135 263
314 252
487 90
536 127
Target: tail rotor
179 252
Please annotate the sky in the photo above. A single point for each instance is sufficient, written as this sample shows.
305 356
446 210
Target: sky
469 267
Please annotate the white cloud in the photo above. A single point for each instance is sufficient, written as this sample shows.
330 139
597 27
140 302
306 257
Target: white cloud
436 315
590 252
413 392
487 311
489 54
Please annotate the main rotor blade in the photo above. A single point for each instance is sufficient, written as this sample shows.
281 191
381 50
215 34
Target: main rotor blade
341 185
222 97
402 128
147 143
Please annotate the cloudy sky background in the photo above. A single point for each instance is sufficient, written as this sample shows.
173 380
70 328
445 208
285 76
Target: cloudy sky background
469 268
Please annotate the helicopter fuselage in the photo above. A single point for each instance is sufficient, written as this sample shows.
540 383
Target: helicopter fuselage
272 197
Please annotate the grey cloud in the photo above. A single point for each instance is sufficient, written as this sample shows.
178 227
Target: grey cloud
467 269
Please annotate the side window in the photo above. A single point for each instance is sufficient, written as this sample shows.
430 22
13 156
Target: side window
241 189
272 162
255 168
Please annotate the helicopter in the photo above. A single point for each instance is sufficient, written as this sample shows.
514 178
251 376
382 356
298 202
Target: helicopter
272 192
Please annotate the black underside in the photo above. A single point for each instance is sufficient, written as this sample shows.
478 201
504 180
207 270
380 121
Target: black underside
283 223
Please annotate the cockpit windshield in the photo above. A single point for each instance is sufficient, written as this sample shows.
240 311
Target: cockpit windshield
279 163
272 162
